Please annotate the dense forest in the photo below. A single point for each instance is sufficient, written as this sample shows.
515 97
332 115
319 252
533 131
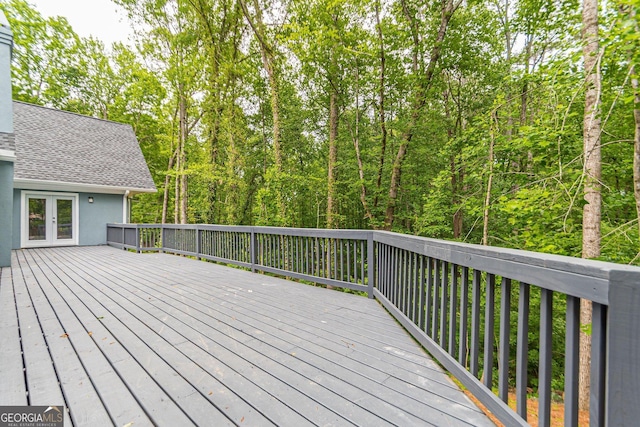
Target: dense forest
451 119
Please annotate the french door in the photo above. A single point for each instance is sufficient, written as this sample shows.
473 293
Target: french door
49 219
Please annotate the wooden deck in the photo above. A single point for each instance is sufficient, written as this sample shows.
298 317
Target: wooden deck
154 339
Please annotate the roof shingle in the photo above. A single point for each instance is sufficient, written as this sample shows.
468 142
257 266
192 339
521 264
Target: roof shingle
56 145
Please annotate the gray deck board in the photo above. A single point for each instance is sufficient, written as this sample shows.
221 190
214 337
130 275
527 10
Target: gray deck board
41 377
12 387
158 387
377 389
185 342
307 339
253 367
114 395
77 387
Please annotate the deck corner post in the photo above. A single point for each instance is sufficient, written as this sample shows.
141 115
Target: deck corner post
162 236
623 349
370 264
253 249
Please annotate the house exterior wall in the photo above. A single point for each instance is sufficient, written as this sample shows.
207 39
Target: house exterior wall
6 211
93 217
7 142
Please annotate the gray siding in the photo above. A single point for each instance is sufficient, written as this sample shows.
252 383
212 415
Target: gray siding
93 217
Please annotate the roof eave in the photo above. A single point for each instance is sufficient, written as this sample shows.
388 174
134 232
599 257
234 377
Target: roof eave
37 184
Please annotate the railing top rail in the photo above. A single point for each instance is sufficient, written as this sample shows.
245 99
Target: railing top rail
561 262
234 228
285 231
128 226
315 232
578 277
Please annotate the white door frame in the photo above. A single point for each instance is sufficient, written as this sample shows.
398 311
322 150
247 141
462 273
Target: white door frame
51 238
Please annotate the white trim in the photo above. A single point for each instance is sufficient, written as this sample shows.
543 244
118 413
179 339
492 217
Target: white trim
38 184
125 207
50 241
8 155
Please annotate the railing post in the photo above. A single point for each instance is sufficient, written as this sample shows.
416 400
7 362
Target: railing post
198 242
370 264
123 241
162 238
253 250
623 349
137 238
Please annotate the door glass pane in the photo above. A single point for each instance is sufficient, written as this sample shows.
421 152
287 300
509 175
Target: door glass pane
37 219
64 228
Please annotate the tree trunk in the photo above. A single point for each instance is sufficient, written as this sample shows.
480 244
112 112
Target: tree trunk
448 8
167 181
636 145
456 175
636 118
268 62
176 201
333 159
182 176
458 215
381 107
355 136
592 176
487 200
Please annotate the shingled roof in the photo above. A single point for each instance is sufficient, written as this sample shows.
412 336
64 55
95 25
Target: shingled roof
59 146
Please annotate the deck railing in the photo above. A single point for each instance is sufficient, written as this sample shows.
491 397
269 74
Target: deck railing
472 307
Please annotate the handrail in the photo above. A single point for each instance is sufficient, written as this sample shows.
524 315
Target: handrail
455 298
572 276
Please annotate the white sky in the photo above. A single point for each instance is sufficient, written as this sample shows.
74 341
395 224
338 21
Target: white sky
102 19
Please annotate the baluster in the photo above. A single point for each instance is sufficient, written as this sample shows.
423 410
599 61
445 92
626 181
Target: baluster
427 305
522 350
436 300
363 252
443 304
464 316
505 333
490 294
571 361
355 262
342 260
598 365
421 281
416 289
544 367
453 310
335 259
403 282
475 320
